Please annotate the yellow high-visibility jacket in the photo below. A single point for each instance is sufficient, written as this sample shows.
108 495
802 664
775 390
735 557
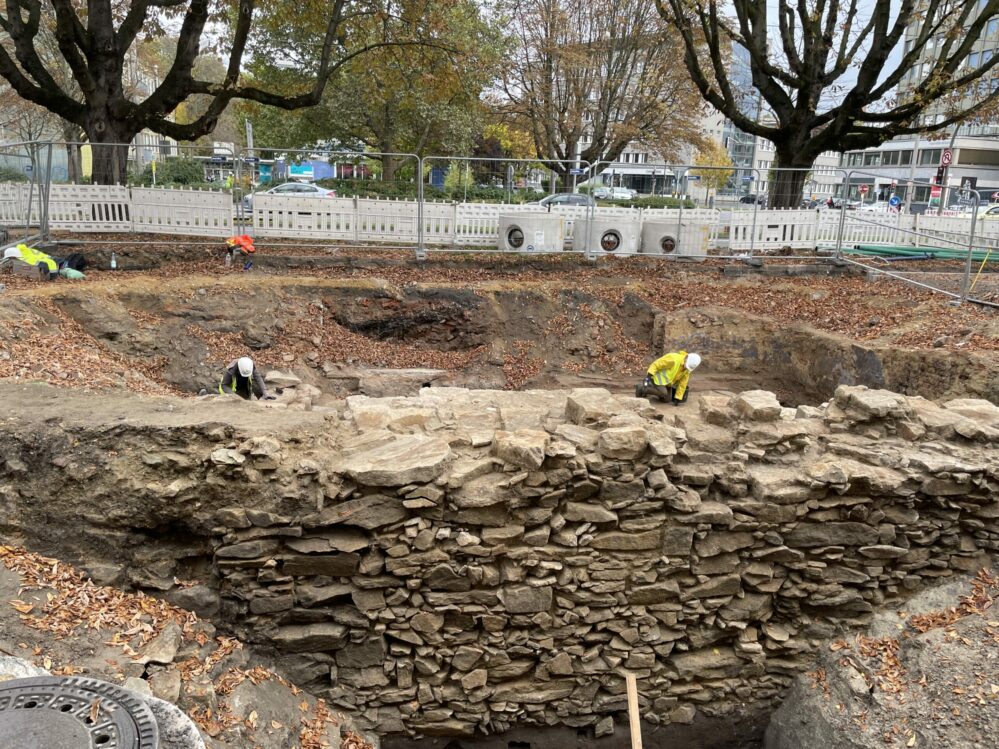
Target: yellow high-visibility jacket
669 370
33 257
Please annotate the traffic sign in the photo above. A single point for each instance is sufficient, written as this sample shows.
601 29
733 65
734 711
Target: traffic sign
895 201
577 172
863 189
995 196
748 179
946 157
251 160
694 177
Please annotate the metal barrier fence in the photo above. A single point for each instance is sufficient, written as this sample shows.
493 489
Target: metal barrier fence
952 244
24 192
482 204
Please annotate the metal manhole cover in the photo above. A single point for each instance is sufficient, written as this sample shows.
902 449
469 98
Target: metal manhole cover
52 712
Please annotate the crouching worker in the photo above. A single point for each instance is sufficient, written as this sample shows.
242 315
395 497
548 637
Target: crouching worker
33 257
242 378
242 247
668 377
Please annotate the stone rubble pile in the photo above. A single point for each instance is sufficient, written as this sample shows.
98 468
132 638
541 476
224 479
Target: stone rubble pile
468 560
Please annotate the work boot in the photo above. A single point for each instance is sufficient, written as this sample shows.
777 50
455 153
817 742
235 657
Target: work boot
639 391
202 392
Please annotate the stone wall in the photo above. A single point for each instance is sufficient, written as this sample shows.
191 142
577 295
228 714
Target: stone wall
470 561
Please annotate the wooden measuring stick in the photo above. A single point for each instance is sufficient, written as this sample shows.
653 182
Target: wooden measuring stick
633 715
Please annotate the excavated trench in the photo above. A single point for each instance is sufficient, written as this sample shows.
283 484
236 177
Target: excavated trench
380 339
376 338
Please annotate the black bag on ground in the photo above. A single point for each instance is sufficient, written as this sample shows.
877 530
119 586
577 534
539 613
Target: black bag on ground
76 261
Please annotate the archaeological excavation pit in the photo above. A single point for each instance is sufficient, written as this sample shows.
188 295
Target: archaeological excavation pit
457 526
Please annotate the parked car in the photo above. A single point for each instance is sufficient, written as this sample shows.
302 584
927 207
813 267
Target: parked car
291 189
621 193
602 193
851 205
564 199
750 199
878 206
991 213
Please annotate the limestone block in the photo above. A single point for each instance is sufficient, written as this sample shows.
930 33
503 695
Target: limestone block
626 443
757 405
278 379
524 448
407 459
525 599
306 638
865 404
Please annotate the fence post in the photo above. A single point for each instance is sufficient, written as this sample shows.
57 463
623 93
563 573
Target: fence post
421 253
842 216
454 223
354 221
965 285
756 208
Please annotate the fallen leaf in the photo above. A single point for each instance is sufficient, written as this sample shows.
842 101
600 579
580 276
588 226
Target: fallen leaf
275 725
22 606
251 719
911 741
95 709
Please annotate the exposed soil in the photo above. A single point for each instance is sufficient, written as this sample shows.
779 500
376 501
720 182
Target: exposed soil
487 321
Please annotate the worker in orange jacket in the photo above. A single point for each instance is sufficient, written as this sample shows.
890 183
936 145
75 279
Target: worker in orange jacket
668 377
243 245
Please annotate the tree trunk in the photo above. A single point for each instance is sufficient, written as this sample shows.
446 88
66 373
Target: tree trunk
110 140
786 188
110 163
390 164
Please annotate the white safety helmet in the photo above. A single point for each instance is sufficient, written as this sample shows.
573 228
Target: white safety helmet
245 366
11 252
692 361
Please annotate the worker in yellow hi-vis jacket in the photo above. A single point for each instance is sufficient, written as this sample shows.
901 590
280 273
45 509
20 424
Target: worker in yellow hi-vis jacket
668 377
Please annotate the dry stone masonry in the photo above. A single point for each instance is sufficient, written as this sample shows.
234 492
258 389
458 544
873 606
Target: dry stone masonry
468 561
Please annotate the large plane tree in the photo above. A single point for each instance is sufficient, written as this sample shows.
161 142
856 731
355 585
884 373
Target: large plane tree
97 41
589 77
836 75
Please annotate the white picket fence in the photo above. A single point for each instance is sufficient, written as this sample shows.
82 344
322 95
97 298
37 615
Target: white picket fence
95 208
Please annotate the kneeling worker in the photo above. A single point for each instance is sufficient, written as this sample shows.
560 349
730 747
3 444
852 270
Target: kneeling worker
243 379
668 376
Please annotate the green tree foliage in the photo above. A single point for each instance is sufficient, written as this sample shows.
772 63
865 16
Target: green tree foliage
400 98
713 154
174 172
98 41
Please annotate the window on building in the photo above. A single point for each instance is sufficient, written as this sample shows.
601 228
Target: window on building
930 156
992 27
904 157
872 159
973 59
889 158
921 194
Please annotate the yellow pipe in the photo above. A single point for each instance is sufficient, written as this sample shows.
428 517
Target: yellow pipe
980 267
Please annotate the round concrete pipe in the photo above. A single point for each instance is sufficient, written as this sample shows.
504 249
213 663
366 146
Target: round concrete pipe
531 232
607 234
687 240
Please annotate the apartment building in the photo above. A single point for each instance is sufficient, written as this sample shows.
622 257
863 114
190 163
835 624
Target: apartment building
974 147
